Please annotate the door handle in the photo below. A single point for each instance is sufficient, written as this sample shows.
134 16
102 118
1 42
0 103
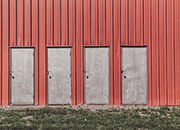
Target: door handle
10 73
47 72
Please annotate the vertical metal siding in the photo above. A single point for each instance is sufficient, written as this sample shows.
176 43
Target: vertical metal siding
170 53
177 52
1 53
72 41
41 23
57 22
35 41
117 52
109 41
147 42
79 50
5 51
162 52
42 52
155 45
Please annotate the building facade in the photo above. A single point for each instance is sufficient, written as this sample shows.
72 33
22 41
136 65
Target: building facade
90 52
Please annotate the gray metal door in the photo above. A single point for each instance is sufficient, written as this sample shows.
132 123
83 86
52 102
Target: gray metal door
22 75
59 75
96 75
134 84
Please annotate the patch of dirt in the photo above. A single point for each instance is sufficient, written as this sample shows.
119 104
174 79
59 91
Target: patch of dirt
27 117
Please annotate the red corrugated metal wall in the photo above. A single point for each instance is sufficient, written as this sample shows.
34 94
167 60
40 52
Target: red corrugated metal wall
41 23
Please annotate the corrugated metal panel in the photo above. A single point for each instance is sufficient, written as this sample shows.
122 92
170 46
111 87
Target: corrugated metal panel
162 52
35 41
147 42
72 42
5 51
1 52
109 41
38 23
170 52
117 52
177 52
79 51
155 46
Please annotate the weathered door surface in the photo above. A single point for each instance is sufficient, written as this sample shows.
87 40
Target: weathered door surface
96 75
22 76
59 75
134 84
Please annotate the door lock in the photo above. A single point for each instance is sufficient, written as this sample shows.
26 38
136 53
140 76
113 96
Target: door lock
50 77
87 77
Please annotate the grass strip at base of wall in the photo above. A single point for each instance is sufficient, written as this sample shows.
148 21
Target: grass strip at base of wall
69 118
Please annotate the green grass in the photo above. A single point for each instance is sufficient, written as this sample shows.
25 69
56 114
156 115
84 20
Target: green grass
68 118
